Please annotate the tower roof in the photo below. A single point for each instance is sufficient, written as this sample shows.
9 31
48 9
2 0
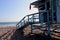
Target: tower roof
37 3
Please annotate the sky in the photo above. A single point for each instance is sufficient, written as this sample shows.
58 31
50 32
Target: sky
15 10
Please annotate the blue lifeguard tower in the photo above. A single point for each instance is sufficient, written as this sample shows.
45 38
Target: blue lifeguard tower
49 13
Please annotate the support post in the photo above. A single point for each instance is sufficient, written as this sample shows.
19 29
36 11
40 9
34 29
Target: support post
31 29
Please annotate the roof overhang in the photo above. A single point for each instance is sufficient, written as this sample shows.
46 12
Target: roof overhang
37 4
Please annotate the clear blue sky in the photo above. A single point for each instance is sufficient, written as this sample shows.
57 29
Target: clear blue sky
14 10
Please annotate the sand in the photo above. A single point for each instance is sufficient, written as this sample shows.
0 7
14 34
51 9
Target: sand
6 32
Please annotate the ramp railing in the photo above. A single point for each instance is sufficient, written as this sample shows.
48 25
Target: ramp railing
32 18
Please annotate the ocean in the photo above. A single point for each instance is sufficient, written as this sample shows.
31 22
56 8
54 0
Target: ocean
3 24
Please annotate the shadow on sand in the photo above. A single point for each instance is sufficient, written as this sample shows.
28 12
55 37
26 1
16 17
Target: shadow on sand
18 35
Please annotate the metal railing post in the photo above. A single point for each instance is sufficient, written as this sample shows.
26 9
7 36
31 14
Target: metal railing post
33 18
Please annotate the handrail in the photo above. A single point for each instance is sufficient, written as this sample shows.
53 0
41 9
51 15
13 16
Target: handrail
27 19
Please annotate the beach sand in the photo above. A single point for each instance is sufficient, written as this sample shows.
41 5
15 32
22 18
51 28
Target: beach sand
11 33
7 32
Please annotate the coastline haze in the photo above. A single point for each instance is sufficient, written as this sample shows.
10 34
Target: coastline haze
8 24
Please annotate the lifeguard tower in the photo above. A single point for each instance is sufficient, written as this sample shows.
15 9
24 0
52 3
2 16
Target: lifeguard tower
49 14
